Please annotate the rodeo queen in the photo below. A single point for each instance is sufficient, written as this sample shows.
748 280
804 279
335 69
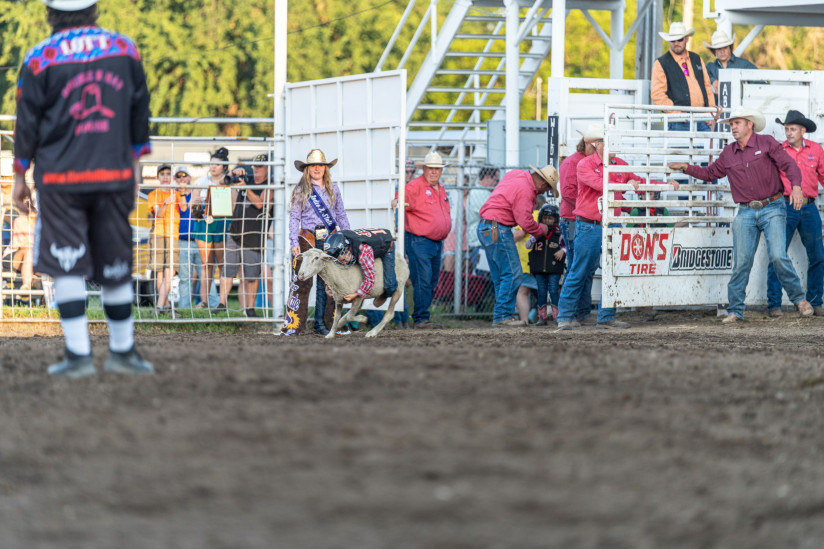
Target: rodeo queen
316 211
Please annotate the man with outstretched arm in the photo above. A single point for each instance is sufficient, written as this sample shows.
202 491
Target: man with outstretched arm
753 163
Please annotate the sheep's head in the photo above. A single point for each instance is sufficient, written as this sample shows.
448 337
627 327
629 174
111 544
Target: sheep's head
312 263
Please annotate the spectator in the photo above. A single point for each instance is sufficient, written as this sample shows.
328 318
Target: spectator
210 231
22 244
165 204
510 204
809 157
488 177
85 136
316 211
569 188
679 77
721 47
189 257
244 242
575 294
427 223
547 259
753 165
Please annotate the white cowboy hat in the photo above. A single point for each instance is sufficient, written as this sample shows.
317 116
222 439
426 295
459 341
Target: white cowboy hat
431 160
677 31
594 132
315 156
69 5
758 121
550 175
719 40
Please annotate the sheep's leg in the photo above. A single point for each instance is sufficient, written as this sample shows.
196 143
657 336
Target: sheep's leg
352 315
336 321
390 310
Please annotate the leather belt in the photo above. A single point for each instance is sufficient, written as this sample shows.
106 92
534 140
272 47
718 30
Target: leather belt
495 223
758 204
808 200
586 220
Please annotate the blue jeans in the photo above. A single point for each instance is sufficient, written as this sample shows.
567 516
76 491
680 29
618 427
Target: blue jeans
320 303
746 232
576 293
685 126
568 232
390 280
504 268
424 268
548 282
807 221
189 263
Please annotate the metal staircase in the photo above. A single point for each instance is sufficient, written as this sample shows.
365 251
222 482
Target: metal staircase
464 80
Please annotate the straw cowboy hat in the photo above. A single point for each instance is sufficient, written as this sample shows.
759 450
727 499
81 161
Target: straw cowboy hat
550 175
748 114
719 40
677 31
593 132
316 156
795 117
431 160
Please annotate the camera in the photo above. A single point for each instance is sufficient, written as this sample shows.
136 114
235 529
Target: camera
197 211
245 179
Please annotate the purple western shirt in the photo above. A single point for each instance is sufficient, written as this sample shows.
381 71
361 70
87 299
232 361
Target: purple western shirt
304 216
753 171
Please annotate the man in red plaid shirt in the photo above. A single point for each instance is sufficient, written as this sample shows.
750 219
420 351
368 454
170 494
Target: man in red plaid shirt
363 246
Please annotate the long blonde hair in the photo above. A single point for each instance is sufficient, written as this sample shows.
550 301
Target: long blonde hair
301 192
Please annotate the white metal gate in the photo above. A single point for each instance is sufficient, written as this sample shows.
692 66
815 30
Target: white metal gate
658 264
361 121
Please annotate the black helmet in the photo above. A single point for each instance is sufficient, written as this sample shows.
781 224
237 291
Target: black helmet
336 244
550 210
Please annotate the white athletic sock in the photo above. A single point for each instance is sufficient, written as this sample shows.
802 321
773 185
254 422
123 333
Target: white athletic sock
121 332
68 289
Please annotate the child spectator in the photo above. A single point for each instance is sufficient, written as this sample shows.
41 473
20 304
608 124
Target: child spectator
547 259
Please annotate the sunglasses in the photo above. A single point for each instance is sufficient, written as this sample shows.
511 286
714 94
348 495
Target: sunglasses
180 176
410 171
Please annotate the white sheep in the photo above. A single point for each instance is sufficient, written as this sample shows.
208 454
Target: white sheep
346 279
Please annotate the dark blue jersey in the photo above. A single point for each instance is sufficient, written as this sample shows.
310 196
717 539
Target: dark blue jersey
82 111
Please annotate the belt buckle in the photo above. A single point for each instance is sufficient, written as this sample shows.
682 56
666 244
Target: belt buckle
756 204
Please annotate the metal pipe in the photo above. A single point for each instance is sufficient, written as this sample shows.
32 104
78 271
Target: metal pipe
557 53
395 34
415 37
280 268
512 92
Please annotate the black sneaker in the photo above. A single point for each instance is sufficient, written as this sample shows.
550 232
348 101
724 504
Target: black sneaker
250 313
128 363
322 330
73 366
221 308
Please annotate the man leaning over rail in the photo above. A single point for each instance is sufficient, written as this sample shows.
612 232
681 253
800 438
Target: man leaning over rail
807 221
752 165
588 232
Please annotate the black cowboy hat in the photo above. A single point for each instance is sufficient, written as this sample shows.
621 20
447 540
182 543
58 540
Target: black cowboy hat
795 117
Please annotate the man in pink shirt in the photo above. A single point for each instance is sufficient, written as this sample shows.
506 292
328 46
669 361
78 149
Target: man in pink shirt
428 222
510 204
573 305
569 188
807 221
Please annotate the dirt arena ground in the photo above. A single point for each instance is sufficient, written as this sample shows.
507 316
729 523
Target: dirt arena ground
678 434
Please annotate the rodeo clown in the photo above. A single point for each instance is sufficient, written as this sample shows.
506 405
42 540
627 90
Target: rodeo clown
83 124
364 246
